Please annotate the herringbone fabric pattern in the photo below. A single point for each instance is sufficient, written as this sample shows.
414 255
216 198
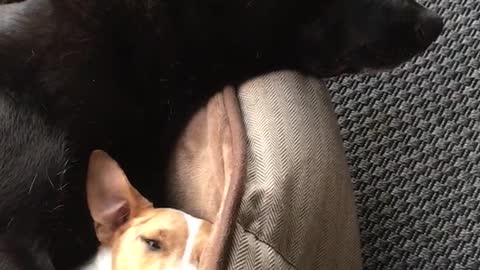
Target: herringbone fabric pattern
412 139
253 254
297 211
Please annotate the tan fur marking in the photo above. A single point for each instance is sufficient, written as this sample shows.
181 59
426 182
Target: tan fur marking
127 222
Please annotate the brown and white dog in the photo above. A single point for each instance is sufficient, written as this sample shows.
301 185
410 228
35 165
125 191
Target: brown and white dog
134 235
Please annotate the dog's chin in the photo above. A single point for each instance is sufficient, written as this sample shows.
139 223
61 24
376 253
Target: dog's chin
376 68
374 60
330 71
351 64
371 65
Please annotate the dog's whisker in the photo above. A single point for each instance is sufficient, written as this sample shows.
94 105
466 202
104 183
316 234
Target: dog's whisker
31 185
10 222
50 180
57 207
62 187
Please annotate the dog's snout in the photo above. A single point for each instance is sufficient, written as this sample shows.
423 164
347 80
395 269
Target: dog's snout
428 27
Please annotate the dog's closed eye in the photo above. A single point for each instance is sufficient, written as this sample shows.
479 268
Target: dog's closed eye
153 245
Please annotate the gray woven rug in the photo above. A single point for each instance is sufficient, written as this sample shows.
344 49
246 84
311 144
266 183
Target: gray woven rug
412 138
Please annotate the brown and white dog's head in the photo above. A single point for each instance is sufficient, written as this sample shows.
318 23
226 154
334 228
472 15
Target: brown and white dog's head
133 234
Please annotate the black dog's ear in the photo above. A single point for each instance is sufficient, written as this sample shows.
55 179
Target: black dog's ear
25 28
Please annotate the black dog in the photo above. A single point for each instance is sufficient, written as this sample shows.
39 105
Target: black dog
32 168
124 75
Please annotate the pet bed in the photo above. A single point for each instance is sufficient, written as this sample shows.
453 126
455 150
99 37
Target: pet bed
266 165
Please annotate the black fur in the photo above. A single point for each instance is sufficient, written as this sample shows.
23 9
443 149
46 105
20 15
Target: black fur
19 252
124 75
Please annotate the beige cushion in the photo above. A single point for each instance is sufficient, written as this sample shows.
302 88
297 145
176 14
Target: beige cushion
290 179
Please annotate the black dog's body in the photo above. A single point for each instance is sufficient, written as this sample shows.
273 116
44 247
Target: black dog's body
124 76
33 167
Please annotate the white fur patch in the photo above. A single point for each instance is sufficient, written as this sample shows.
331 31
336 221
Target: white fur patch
102 261
194 225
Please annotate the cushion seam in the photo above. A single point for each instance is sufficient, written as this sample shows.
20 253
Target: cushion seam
284 258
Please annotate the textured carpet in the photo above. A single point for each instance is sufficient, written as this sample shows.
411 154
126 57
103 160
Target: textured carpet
412 140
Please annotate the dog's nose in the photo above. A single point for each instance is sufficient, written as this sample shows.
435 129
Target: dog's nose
428 27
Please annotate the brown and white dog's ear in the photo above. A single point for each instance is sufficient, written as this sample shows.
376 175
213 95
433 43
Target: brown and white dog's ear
111 198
